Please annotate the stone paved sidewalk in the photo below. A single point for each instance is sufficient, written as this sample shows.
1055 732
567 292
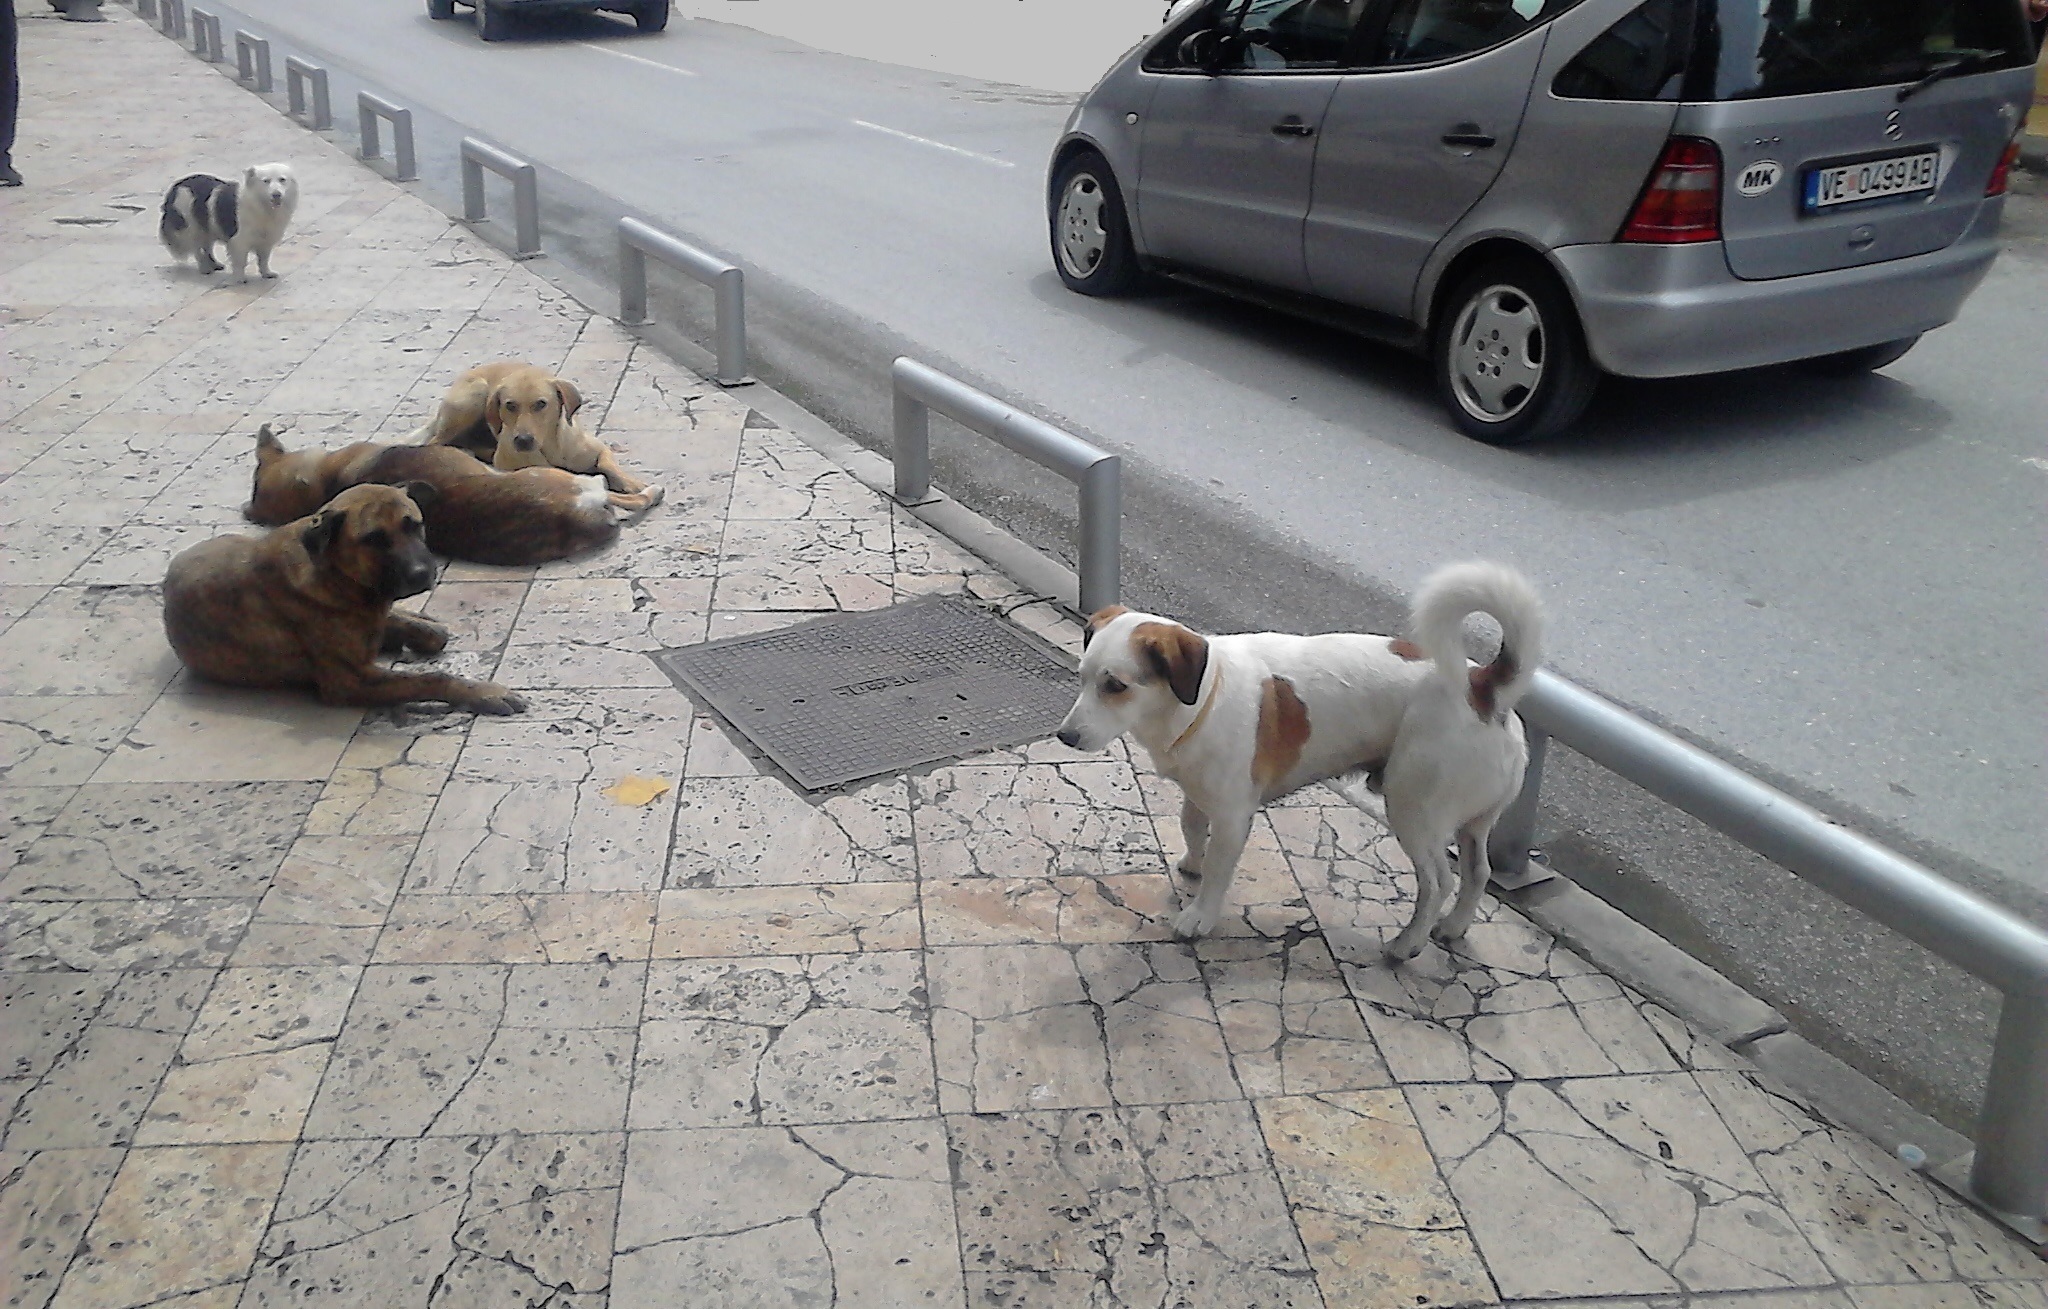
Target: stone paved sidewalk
310 1006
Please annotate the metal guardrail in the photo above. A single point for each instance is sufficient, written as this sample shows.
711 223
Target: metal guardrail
369 108
252 62
206 36
2009 1172
146 9
172 19
477 156
638 240
920 389
298 77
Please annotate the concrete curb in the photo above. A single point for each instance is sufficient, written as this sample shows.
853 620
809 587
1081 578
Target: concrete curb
2034 153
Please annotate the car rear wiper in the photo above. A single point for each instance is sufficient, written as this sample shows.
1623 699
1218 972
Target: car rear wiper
1955 62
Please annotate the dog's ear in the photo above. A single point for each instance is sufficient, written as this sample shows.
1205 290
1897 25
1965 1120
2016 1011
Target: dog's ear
1100 619
320 533
494 411
571 398
422 493
251 177
1176 654
268 447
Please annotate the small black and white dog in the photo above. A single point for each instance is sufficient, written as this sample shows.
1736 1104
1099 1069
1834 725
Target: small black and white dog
249 216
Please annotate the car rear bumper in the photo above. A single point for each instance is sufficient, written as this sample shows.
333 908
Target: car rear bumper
1676 311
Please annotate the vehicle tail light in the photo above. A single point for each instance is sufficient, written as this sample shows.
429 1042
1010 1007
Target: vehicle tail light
1681 203
2003 173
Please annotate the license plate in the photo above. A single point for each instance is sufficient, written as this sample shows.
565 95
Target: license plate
1872 179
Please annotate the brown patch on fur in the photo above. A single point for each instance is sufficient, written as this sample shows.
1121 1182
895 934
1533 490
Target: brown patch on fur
1283 731
1486 683
1177 655
1407 650
1098 620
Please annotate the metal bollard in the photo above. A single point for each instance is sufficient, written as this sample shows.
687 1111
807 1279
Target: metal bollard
146 10
206 41
369 109
637 240
252 62
298 75
173 19
477 156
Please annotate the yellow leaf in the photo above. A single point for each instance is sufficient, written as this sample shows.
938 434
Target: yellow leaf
638 791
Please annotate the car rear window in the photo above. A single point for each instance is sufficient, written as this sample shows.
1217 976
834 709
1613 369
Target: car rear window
1750 49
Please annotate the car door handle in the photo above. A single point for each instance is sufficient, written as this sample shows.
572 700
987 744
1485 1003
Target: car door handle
1469 136
1292 126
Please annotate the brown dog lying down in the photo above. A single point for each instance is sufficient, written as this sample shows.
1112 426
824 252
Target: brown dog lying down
487 517
522 416
309 604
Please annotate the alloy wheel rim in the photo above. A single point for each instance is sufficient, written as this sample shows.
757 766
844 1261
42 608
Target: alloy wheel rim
1083 239
1497 354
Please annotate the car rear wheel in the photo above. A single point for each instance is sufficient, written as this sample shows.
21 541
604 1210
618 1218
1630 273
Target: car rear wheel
440 8
1510 357
1091 233
1866 359
651 16
490 21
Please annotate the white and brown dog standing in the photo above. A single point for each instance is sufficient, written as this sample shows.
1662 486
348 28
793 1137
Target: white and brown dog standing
516 415
1240 721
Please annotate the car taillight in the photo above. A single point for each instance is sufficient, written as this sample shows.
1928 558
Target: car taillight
1681 203
2003 173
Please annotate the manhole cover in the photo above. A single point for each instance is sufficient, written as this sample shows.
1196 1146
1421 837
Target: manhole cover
855 695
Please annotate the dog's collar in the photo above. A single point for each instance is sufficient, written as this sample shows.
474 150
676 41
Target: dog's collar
1202 714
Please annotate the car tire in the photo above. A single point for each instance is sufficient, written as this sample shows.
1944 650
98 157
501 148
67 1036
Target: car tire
490 21
1091 230
440 8
1510 357
1865 359
651 16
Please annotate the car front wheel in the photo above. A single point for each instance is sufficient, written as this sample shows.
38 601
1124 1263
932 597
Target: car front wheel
490 21
651 16
440 8
1091 233
1866 359
1510 358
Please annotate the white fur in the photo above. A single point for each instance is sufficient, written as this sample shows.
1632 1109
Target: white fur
1448 772
266 196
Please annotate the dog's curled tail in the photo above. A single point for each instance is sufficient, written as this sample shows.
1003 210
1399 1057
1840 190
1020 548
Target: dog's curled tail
1457 590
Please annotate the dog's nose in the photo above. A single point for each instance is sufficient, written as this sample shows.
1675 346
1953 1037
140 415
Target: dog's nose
522 442
1070 738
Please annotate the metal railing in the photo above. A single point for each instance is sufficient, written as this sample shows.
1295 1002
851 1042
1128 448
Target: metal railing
369 109
920 389
146 9
206 36
477 156
2009 1172
252 62
638 240
298 77
172 19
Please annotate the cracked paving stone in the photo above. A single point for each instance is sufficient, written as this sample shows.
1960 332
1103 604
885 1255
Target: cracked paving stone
62 740
47 1200
1049 911
826 1038
857 1215
1289 1022
438 1050
760 832
163 842
113 934
86 1052
1125 1206
1378 1222
177 1219
1083 819
740 921
385 785
335 881
496 1219
1611 1186
779 477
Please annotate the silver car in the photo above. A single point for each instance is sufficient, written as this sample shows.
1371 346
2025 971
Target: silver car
1539 192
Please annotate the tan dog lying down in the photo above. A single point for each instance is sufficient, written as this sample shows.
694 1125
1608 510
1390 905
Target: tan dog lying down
529 517
522 416
309 605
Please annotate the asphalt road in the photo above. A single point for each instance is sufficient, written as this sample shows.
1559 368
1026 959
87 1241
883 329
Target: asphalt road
1837 584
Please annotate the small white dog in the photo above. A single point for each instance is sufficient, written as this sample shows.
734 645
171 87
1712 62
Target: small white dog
249 216
1242 720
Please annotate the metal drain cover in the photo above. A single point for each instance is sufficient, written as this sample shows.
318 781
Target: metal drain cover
859 694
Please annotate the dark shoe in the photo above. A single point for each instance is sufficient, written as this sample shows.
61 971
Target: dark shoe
8 177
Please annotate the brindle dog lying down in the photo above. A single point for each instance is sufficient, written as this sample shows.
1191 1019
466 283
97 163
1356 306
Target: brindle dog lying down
532 516
309 605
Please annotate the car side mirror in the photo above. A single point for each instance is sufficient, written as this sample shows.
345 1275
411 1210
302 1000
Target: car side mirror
1209 49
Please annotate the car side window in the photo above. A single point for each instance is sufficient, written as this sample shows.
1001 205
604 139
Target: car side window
1261 36
1428 31
1642 57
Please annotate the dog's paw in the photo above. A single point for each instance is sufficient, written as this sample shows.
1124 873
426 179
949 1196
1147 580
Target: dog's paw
1404 947
493 699
1190 868
427 640
653 494
1448 932
1191 923
272 276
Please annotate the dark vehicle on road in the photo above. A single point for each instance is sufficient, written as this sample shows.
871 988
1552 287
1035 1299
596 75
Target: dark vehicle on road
492 15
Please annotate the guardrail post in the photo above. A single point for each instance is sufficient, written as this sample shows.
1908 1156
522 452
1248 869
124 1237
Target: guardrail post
638 241
1101 534
298 75
206 41
1514 836
731 326
146 9
252 62
632 282
369 109
173 24
2010 1171
477 156
912 452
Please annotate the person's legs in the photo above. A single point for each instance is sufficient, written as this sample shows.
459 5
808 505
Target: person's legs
10 90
